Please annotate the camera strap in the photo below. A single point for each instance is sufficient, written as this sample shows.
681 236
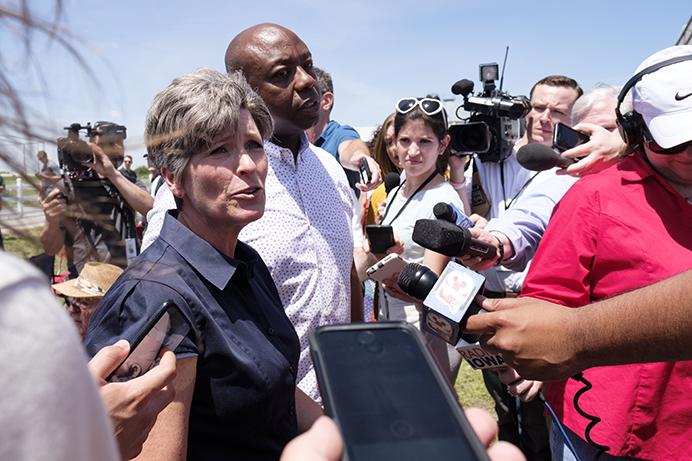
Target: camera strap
408 200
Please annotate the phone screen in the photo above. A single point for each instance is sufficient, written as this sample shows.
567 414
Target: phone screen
389 404
380 237
565 138
166 329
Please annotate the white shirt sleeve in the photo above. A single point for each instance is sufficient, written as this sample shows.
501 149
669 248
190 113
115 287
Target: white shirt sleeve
163 201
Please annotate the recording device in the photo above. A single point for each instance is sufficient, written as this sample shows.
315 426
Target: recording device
451 213
493 126
74 154
390 400
391 180
449 299
450 240
365 173
166 328
539 157
565 137
380 237
386 268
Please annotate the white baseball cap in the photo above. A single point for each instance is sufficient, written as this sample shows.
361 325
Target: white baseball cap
664 97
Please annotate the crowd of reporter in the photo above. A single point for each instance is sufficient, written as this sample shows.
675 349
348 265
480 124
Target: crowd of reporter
229 148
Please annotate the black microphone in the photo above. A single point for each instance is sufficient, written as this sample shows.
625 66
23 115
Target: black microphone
451 213
463 87
450 303
391 180
450 240
416 280
539 157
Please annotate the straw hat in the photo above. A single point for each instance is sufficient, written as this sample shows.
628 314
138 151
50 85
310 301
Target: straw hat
93 282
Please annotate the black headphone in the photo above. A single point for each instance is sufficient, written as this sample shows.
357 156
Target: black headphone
630 124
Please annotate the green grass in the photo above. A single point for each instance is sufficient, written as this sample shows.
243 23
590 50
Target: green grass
23 245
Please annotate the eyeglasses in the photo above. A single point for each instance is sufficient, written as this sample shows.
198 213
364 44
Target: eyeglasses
655 148
429 106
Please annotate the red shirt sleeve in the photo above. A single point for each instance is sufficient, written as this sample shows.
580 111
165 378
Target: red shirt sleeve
560 272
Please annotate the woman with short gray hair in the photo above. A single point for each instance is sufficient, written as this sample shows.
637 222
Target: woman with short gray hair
235 386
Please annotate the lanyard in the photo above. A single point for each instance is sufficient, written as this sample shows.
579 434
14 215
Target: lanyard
425 183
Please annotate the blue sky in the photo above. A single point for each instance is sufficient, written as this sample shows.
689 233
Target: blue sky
376 52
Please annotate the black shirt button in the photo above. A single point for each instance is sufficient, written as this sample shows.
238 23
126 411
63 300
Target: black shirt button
271 331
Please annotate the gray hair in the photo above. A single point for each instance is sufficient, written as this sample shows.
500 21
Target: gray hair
195 109
586 101
324 80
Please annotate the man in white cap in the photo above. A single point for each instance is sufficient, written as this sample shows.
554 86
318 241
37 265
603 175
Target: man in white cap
626 227
83 294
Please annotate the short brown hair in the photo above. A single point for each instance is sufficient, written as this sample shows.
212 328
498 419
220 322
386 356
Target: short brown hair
558 80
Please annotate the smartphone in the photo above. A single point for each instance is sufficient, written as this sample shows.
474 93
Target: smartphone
565 137
365 173
390 400
386 268
380 237
166 328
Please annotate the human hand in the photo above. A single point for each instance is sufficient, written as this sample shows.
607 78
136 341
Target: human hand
375 173
323 441
133 405
457 164
525 332
525 389
479 222
54 205
102 164
477 263
604 149
391 287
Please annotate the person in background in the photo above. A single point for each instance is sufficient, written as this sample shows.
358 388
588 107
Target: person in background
127 170
49 174
83 293
383 148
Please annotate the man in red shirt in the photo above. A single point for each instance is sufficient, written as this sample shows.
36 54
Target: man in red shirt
627 227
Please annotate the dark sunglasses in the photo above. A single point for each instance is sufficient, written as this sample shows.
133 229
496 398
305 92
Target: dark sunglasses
429 106
81 304
655 148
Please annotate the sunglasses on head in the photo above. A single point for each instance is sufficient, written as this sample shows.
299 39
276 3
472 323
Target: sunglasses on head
655 148
429 106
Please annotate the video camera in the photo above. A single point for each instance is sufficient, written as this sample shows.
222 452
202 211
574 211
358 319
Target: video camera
493 127
74 154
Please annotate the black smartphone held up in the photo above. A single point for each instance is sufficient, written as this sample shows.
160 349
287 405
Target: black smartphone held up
365 173
383 389
565 137
166 328
380 237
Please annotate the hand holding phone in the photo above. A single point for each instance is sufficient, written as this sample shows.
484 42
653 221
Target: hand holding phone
386 268
565 137
388 397
365 173
379 237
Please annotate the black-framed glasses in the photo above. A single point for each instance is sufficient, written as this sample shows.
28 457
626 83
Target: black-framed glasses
655 148
81 304
429 106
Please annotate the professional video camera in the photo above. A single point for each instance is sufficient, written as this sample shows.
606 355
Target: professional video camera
75 154
493 127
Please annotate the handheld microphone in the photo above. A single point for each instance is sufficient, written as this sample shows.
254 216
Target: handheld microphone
539 157
450 240
451 213
391 180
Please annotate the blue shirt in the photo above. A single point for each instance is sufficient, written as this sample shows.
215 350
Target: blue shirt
243 405
330 140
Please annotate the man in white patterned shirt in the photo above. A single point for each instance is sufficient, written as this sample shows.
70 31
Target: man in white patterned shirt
305 234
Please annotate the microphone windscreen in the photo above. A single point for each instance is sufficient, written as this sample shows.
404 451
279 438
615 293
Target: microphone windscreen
463 87
416 280
391 180
407 277
539 157
440 236
445 212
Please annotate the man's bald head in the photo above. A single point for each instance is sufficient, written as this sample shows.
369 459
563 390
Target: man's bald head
278 65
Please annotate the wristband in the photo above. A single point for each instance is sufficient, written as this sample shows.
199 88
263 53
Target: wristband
501 249
457 185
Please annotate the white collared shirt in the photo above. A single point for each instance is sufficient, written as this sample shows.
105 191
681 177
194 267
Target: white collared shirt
304 238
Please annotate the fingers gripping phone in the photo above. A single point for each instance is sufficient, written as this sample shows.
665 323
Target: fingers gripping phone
389 399
386 268
565 137
365 173
166 328
380 237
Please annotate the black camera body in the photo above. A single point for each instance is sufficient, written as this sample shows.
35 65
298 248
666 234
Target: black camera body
74 154
494 124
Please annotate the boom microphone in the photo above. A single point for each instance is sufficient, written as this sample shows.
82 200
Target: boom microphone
539 157
463 87
450 240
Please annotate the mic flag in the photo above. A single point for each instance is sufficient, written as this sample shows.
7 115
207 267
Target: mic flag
479 358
